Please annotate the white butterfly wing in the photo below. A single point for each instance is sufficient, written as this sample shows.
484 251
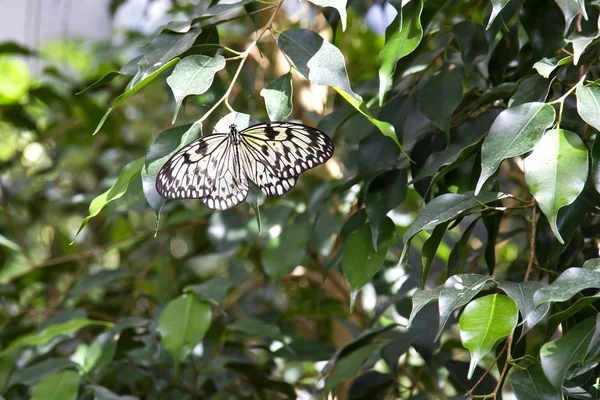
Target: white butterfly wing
288 148
263 175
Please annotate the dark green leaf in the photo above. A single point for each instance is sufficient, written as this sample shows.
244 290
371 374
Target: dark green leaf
459 248
497 6
533 88
339 5
440 96
286 251
278 97
60 386
213 290
471 39
569 283
522 294
531 384
421 298
430 248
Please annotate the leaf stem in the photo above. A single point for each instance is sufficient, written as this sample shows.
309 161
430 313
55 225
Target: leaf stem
531 263
561 101
242 57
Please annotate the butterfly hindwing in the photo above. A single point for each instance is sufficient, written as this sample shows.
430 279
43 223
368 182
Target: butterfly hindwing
288 148
263 175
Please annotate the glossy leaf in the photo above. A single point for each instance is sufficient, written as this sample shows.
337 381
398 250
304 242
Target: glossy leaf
115 192
522 293
484 322
162 148
133 88
182 325
497 6
471 39
50 332
440 96
348 366
32 374
421 298
514 132
60 386
458 291
193 75
532 384
339 5
445 208
402 38
533 88
580 42
255 327
596 164
571 348
556 172
558 318
213 290
430 249
320 62
459 248
588 104
546 66
278 97
569 283
96 355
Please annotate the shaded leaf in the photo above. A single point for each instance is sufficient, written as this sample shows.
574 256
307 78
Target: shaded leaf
255 327
60 386
339 5
471 39
522 293
285 252
580 42
569 283
34 373
497 6
557 356
348 366
556 172
440 96
531 383
533 88
421 298
430 248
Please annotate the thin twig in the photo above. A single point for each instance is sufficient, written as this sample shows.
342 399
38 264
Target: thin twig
487 371
503 373
531 263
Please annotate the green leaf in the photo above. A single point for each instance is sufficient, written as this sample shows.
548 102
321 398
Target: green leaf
596 163
60 386
556 319
569 283
384 127
255 327
593 264
108 77
533 88
160 151
285 252
458 291
556 172
570 9
421 298
402 38
348 366
472 42
445 208
484 322
320 62
580 42
461 146
440 96
193 75
522 293
497 6
588 104
430 249
361 261
98 354
131 89
15 48
213 290
93 281
531 383
459 248
50 332
385 192
34 373
115 192
514 132
182 325
376 154
278 97
557 356
545 66
339 5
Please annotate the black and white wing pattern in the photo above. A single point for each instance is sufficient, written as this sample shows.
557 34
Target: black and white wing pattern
288 148
216 168
205 169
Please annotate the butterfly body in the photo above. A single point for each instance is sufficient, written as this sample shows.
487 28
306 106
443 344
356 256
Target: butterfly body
217 168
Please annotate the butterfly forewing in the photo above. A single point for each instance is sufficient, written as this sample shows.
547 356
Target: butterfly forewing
289 148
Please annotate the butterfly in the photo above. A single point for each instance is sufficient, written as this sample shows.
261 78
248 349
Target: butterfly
217 168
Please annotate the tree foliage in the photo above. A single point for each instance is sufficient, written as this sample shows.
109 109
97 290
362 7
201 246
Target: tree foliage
458 219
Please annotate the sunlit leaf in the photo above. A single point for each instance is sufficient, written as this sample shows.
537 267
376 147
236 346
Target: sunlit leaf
60 386
339 5
182 325
569 283
278 97
497 6
546 65
484 322
580 42
402 38
115 192
556 172
193 75
514 132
